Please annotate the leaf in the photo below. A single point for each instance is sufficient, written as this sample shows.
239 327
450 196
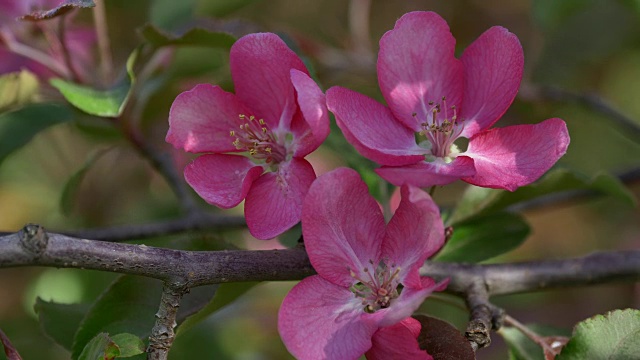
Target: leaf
9 350
63 8
611 336
101 347
17 88
551 13
523 348
484 237
226 294
18 127
481 201
71 186
128 344
442 340
109 103
193 37
60 321
220 8
129 305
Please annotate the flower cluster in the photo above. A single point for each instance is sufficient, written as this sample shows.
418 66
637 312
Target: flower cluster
254 142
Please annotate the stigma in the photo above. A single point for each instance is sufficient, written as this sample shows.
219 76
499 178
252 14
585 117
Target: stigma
378 287
255 138
441 130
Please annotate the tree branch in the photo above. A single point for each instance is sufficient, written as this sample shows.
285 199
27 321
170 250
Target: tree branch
32 246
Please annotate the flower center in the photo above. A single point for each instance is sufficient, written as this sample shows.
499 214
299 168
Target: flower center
258 140
379 286
442 131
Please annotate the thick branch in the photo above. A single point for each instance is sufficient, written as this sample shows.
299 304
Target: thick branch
34 247
503 279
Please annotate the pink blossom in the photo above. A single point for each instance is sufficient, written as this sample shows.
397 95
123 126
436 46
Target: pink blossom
368 281
437 99
254 141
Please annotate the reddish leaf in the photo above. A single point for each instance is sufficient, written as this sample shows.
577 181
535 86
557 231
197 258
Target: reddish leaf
9 350
61 9
442 340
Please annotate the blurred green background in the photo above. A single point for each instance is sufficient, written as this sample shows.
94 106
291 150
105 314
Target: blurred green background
583 46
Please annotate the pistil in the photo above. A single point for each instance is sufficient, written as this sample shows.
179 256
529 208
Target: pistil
441 131
378 288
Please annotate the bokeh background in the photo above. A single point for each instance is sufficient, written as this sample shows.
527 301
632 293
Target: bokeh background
581 46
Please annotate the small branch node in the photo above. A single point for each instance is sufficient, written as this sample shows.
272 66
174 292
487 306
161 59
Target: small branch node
481 318
34 239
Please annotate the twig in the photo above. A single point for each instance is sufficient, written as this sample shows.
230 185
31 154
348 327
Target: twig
592 101
104 47
191 222
162 334
359 12
483 317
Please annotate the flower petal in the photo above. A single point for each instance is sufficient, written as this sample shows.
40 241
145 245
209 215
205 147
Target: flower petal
424 174
399 341
321 320
371 128
410 300
313 106
222 180
416 64
200 119
514 156
274 203
493 66
260 68
414 233
342 226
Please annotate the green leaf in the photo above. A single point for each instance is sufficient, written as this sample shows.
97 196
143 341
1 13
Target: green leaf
193 37
60 321
17 88
171 14
129 305
481 201
109 103
128 344
101 347
18 127
523 348
611 336
226 294
67 199
549 14
484 237
220 8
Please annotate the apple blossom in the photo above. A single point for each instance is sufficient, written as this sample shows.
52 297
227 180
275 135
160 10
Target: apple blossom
368 281
435 99
254 142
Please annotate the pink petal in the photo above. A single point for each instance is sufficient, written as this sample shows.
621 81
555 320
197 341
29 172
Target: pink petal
260 68
313 106
321 320
200 119
514 156
493 67
274 203
371 128
409 301
222 180
399 341
342 225
424 174
414 233
416 64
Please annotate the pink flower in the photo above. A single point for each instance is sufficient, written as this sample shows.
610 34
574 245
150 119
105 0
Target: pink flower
436 98
368 281
256 140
